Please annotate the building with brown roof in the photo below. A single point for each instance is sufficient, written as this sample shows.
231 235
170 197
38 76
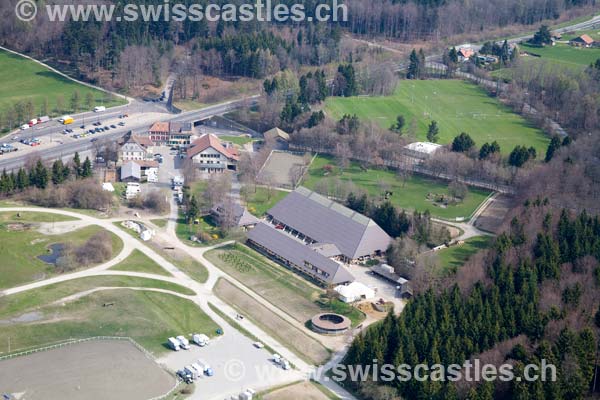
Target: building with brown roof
134 148
210 155
171 133
582 41
465 53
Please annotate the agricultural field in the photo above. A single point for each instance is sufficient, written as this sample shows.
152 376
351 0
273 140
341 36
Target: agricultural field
452 258
23 80
147 317
260 199
457 107
282 288
304 390
21 245
412 194
139 262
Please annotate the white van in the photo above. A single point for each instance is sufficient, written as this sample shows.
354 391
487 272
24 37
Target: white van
99 109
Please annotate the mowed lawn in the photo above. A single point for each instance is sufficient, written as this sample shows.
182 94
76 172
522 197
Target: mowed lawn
562 54
22 80
452 258
147 317
409 195
21 244
262 199
457 107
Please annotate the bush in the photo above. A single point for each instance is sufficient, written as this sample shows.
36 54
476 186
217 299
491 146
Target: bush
84 194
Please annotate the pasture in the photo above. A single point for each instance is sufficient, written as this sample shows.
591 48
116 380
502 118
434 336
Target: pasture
457 107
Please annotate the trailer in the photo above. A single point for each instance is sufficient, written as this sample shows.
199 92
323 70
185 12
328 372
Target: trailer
191 371
183 342
43 119
174 344
200 339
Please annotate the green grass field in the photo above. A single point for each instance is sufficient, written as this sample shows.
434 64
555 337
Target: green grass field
160 222
239 140
562 54
147 317
19 249
139 262
258 202
454 257
457 107
23 80
411 195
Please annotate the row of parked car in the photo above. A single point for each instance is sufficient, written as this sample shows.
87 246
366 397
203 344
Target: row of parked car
31 142
98 129
7 148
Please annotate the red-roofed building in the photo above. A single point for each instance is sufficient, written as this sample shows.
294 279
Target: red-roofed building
133 147
582 41
170 133
210 155
465 53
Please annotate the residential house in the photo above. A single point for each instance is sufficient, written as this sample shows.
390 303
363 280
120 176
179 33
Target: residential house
135 148
177 134
465 53
584 40
210 155
240 216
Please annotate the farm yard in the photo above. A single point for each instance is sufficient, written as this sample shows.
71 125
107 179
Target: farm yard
101 368
23 80
457 107
416 193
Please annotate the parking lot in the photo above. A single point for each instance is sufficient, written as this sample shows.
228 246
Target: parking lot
236 363
103 369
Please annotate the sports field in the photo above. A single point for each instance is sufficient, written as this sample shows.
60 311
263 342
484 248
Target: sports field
457 107
93 370
409 195
23 80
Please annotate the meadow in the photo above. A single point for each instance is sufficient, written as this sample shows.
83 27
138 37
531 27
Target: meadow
457 107
410 194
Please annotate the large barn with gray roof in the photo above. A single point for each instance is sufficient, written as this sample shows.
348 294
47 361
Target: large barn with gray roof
317 236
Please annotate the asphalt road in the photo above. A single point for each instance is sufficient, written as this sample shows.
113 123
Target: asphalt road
16 160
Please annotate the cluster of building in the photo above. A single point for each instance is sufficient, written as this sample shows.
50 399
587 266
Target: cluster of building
317 237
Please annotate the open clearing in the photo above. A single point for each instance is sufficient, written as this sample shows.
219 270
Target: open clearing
260 199
21 244
278 167
457 107
301 344
147 317
452 258
102 369
409 195
23 80
493 216
281 287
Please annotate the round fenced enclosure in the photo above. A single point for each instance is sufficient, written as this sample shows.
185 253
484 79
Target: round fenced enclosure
330 324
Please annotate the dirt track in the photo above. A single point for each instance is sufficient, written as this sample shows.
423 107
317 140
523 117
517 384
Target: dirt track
109 369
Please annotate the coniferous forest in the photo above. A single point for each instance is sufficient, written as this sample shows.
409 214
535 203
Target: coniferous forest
534 302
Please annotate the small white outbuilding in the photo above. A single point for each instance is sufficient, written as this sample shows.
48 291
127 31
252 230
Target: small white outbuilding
354 291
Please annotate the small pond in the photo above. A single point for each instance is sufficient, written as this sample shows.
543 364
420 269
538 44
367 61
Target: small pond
54 252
